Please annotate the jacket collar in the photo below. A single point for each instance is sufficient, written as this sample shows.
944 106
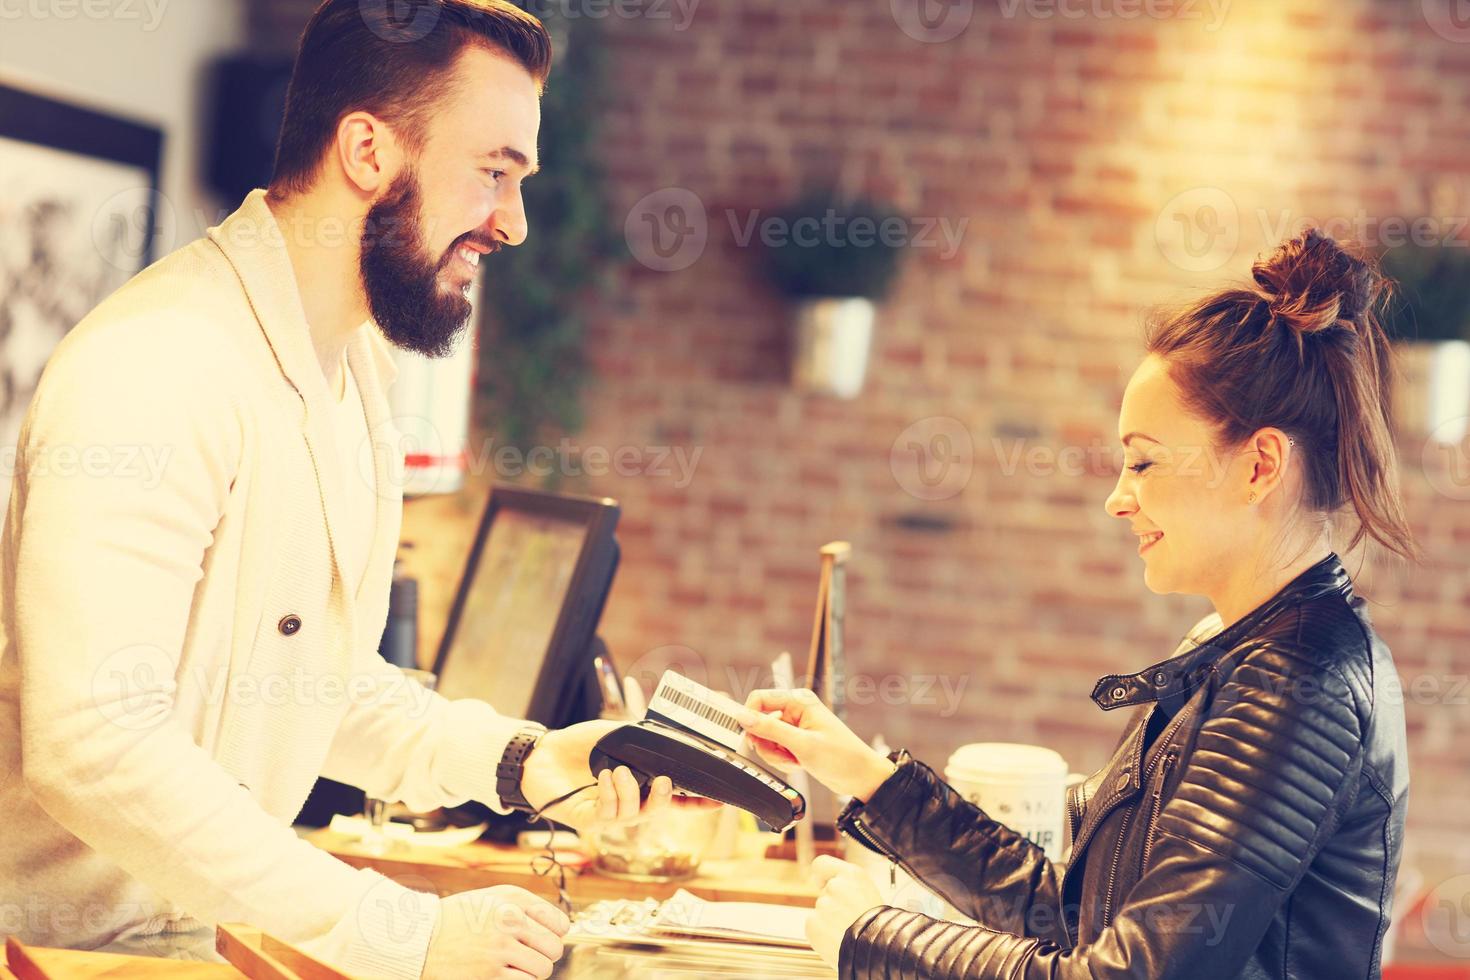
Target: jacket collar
255 246
1172 681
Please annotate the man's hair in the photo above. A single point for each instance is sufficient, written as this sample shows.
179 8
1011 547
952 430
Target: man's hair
392 58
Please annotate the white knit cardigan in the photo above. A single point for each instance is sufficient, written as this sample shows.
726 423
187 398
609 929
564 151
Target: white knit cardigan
179 656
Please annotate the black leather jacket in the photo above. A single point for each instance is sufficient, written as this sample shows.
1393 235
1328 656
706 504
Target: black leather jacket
1256 835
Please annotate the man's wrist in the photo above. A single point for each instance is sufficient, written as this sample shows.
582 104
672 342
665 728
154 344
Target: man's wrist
510 774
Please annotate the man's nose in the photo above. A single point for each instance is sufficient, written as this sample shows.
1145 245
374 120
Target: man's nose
508 223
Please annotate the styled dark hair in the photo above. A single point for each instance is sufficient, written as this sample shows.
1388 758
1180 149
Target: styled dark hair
391 58
1300 348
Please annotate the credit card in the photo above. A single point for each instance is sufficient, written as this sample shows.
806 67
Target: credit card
690 705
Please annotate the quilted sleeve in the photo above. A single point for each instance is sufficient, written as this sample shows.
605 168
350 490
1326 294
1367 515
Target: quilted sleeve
1276 764
979 865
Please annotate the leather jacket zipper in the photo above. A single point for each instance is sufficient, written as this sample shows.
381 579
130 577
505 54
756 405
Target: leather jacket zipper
1074 818
892 857
1153 815
1107 915
1164 736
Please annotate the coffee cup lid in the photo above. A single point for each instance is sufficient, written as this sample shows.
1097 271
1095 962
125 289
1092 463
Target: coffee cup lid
989 758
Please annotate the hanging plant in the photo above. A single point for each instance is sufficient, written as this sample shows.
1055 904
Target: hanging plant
1429 314
1432 298
834 258
825 246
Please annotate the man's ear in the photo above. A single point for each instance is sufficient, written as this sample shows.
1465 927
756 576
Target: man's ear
367 151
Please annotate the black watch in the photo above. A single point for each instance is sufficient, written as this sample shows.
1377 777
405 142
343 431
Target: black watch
513 766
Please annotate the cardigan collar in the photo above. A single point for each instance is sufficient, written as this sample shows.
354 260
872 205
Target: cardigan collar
254 244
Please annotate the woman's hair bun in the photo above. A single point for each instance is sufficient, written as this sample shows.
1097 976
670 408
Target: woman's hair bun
1311 283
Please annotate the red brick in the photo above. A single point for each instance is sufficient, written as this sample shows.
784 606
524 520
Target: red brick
1061 143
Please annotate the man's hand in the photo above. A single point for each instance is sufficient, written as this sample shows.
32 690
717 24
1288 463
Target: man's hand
847 892
559 765
502 932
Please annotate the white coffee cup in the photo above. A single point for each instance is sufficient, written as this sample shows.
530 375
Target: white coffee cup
1022 786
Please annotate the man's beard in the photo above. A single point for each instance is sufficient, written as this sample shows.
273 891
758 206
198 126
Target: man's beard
402 280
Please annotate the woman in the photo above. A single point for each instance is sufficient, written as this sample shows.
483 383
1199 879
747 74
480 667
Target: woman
1250 820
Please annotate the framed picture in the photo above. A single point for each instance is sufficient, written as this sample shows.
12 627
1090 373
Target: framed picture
77 208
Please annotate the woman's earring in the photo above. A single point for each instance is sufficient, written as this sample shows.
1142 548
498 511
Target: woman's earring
1252 498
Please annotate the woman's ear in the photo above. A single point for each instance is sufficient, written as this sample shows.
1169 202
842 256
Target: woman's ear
1272 449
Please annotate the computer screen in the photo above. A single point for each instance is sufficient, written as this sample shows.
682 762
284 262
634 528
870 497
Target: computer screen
520 631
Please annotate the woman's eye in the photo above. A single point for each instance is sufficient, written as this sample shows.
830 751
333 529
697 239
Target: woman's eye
1140 467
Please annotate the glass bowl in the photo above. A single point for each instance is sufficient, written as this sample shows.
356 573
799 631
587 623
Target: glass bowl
664 846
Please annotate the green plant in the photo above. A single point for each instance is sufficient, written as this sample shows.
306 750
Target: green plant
822 246
1432 299
532 364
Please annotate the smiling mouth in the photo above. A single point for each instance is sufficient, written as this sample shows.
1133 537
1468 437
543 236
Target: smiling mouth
1147 541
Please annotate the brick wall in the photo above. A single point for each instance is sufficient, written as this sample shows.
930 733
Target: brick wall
1066 143
1079 151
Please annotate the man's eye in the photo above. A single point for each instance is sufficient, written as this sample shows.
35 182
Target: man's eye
497 174
1140 467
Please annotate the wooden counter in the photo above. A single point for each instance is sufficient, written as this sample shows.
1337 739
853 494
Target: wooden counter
39 963
479 865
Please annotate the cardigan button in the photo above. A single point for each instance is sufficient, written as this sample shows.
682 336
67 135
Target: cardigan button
289 625
1160 678
1119 692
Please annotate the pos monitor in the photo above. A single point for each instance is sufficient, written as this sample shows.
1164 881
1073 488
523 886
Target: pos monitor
521 631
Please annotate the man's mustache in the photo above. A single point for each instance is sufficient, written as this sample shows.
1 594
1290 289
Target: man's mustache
491 245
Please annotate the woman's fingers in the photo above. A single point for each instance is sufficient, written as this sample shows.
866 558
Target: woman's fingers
826 867
793 705
773 729
774 754
764 700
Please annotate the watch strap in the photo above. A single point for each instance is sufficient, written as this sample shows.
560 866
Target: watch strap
513 766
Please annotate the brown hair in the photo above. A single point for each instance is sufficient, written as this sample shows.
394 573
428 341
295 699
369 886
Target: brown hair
391 58
1301 348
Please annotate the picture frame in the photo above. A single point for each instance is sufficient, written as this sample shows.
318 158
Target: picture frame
78 218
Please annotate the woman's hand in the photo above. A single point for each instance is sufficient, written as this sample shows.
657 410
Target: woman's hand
795 730
847 893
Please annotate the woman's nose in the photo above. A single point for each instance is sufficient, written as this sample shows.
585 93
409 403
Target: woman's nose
1120 503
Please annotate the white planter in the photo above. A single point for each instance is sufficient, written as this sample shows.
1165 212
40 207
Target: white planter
833 339
1433 397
